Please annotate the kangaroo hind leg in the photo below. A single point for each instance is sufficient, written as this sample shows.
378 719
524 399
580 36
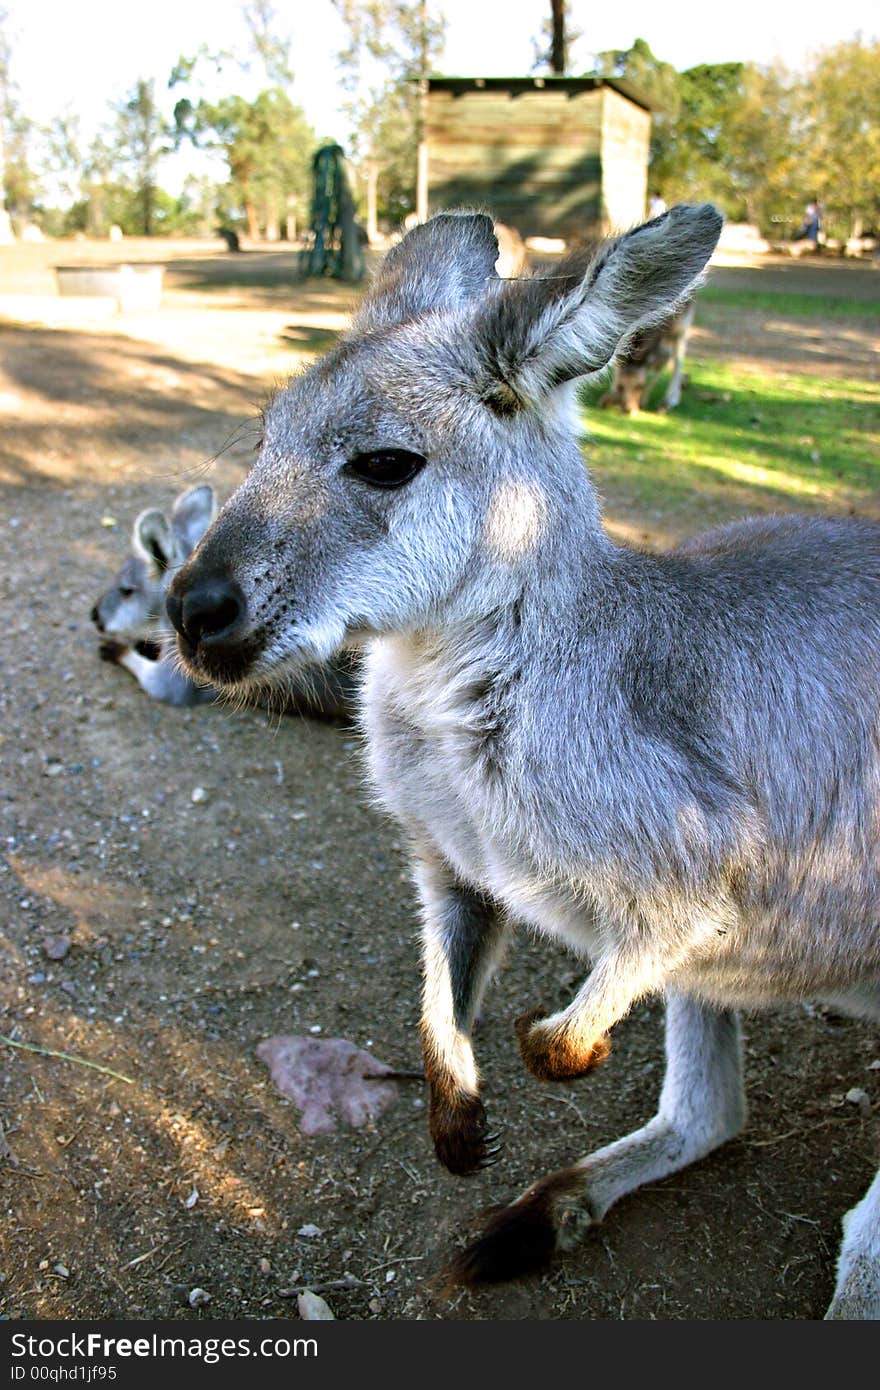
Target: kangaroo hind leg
702 1104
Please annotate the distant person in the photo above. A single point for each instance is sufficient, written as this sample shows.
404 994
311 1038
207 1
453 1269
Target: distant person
656 205
809 230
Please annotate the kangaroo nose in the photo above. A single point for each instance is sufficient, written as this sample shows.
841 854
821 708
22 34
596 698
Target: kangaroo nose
96 618
208 611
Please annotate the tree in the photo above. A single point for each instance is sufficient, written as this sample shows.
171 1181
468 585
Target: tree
18 181
266 141
267 144
403 41
270 44
763 154
840 136
552 49
142 139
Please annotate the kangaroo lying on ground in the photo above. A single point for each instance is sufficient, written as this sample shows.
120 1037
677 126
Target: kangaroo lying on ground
138 636
131 613
669 762
637 366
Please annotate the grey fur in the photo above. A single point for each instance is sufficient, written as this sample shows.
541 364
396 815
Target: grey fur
670 762
131 616
131 613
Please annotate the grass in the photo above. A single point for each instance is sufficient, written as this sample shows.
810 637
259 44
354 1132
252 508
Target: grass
785 304
737 444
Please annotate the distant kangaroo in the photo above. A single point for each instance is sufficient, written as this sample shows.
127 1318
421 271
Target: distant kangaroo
669 762
638 365
132 619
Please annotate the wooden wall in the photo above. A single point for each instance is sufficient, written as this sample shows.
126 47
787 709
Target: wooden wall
626 139
541 160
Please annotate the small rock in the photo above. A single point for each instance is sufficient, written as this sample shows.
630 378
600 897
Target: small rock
192 1198
312 1308
856 1096
197 1298
265 1266
875 1065
309 1231
198 794
56 947
108 521
62 1271
376 1305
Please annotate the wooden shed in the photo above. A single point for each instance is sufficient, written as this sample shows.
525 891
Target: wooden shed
552 156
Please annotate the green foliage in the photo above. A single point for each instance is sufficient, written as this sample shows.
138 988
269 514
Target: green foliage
841 132
760 141
18 178
142 137
400 41
267 144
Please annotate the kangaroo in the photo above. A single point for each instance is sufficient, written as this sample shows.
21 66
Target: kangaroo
637 366
131 613
131 616
669 762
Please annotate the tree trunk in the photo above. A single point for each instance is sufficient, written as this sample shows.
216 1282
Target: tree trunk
557 50
253 224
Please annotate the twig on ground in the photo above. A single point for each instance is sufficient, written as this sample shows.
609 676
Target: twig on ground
66 1057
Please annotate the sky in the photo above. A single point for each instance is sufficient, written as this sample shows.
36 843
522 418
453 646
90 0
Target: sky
77 55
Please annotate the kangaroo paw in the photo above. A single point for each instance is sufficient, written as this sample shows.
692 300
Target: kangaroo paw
555 1056
459 1130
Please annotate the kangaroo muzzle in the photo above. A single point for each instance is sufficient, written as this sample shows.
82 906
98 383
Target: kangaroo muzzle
209 613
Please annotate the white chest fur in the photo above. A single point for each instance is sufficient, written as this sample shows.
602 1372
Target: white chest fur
425 726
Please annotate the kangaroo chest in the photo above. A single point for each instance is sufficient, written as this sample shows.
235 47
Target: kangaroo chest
424 762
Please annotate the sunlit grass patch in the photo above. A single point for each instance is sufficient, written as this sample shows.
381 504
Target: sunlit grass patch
790 304
738 444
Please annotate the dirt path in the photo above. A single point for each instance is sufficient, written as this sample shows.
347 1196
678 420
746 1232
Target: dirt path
280 903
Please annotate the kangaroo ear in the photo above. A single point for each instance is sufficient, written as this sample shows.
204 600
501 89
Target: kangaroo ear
153 539
538 333
192 514
442 264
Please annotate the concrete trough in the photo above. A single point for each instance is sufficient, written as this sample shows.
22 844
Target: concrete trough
135 288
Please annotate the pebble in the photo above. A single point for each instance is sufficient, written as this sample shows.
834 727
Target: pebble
197 1298
56 947
309 1231
313 1308
856 1096
198 794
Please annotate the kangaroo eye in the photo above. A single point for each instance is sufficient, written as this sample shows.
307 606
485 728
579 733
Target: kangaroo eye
386 467
125 591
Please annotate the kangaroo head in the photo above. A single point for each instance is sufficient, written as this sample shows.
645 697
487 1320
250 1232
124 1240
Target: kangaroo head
133 608
411 475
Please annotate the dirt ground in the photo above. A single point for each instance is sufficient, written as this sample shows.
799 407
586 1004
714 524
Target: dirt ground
162 937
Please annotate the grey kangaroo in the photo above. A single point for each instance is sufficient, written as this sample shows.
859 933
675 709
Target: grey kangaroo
638 365
669 762
131 617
